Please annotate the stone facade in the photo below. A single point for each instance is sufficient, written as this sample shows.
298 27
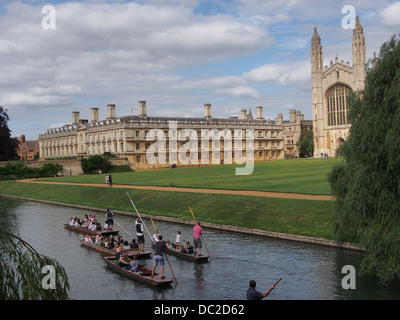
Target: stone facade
330 88
186 141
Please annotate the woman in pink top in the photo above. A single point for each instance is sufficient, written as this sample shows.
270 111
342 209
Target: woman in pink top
197 233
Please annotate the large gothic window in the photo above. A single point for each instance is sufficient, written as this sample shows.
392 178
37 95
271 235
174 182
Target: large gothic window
337 105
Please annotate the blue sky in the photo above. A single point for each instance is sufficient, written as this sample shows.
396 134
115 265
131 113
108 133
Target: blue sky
176 55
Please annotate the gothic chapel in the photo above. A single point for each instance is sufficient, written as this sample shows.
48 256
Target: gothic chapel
330 88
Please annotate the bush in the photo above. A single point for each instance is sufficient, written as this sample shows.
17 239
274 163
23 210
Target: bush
94 164
22 171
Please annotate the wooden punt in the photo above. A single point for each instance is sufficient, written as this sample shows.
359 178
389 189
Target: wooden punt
187 256
143 276
92 233
128 252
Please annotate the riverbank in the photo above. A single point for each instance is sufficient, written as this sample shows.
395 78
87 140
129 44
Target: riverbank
290 219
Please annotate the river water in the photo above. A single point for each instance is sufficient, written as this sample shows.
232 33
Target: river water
308 272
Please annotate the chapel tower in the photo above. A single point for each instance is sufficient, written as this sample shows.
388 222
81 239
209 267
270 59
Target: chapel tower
331 86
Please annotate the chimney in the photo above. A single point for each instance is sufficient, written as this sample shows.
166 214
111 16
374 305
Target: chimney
244 114
207 110
292 116
260 113
142 109
94 114
22 138
279 120
75 117
111 111
298 117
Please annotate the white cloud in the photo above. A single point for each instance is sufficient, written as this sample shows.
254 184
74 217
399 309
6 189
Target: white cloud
391 15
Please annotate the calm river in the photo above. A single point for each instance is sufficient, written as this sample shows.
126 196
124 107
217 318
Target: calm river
308 272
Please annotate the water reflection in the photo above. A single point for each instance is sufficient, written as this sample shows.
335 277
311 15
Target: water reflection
307 271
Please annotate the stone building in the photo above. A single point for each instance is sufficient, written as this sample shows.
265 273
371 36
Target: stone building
292 130
157 142
330 87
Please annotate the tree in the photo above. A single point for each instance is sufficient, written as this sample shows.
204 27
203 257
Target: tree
94 163
24 273
8 145
306 143
367 183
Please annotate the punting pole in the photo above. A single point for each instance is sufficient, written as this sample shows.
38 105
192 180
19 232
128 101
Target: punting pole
140 217
277 281
201 234
122 228
166 257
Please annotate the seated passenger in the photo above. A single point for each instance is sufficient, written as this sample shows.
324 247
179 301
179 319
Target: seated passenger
133 244
88 239
97 239
134 265
169 245
188 248
105 226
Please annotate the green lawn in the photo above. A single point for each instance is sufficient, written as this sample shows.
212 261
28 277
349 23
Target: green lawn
301 217
308 176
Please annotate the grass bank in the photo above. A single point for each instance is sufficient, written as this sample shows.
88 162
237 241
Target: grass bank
299 217
307 176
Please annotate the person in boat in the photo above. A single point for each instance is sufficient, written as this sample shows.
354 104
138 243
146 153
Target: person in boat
85 218
134 265
71 221
102 242
110 220
106 243
253 294
126 245
169 245
140 233
197 233
188 248
77 223
159 248
93 226
88 239
111 242
97 239
124 262
178 240
120 240
118 250
105 226
133 244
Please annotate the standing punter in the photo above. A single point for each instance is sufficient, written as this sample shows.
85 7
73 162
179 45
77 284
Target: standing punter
197 233
110 220
159 248
140 233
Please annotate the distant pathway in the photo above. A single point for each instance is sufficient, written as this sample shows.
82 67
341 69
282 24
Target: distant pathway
198 190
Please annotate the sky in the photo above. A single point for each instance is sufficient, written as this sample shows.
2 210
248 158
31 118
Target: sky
176 55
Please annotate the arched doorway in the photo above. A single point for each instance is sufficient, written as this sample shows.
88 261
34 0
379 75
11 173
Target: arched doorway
339 143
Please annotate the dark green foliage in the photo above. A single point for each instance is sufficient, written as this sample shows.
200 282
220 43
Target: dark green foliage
306 143
95 163
21 171
8 145
367 183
